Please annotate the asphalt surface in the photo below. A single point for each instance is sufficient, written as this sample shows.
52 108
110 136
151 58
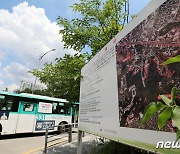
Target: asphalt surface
20 143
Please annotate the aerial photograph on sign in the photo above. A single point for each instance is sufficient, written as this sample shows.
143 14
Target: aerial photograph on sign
140 73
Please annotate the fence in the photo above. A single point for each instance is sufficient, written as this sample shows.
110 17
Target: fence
64 128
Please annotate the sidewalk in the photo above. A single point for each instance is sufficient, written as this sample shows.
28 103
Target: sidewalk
71 148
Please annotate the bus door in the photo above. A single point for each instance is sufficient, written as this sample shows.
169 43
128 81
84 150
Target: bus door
8 114
26 119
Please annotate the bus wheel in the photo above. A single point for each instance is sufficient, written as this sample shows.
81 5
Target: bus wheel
62 128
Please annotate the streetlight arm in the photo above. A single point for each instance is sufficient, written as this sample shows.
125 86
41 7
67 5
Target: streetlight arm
46 53
33 87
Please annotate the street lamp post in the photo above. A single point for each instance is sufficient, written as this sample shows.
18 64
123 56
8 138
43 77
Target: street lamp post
46 53
33 87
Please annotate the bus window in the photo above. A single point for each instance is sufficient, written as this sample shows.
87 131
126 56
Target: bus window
58 108
29 107
66 110
54 109
62 111
9 104
1 101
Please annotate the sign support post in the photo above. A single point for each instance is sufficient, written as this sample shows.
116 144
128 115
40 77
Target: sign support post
46 140
79 144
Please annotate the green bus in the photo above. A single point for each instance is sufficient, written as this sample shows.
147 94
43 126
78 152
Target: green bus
25 113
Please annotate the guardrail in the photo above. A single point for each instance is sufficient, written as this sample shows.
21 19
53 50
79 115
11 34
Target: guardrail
66 128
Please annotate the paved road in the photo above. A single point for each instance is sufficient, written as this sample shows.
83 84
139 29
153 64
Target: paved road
23 143
19 144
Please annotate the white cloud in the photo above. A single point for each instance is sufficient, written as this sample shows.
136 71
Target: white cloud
17 72
1 85
12 87
2 54
25 34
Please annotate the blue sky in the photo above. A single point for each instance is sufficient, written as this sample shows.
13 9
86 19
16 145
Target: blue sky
28 29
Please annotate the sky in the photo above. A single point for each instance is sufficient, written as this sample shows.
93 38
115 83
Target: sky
28 29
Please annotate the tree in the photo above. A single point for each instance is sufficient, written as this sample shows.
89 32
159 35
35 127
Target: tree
99 23
63 77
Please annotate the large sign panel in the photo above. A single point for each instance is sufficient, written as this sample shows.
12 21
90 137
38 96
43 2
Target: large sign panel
126 75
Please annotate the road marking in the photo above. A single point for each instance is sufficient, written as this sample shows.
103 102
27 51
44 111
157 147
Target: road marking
37 149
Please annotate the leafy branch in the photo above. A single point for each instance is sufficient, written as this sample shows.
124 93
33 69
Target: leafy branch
98 23
166 110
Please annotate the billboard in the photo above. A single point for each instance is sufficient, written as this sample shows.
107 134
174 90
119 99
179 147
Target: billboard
126 75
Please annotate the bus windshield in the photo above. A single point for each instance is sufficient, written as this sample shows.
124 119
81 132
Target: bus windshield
8 103
2 102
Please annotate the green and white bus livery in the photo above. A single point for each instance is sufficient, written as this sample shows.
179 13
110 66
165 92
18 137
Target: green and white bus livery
25 113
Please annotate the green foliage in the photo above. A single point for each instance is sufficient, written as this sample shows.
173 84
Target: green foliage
177 135
175 59
99 22
168 110
176 121
176 116
166 100
63 77
150 110
164 116
174 93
